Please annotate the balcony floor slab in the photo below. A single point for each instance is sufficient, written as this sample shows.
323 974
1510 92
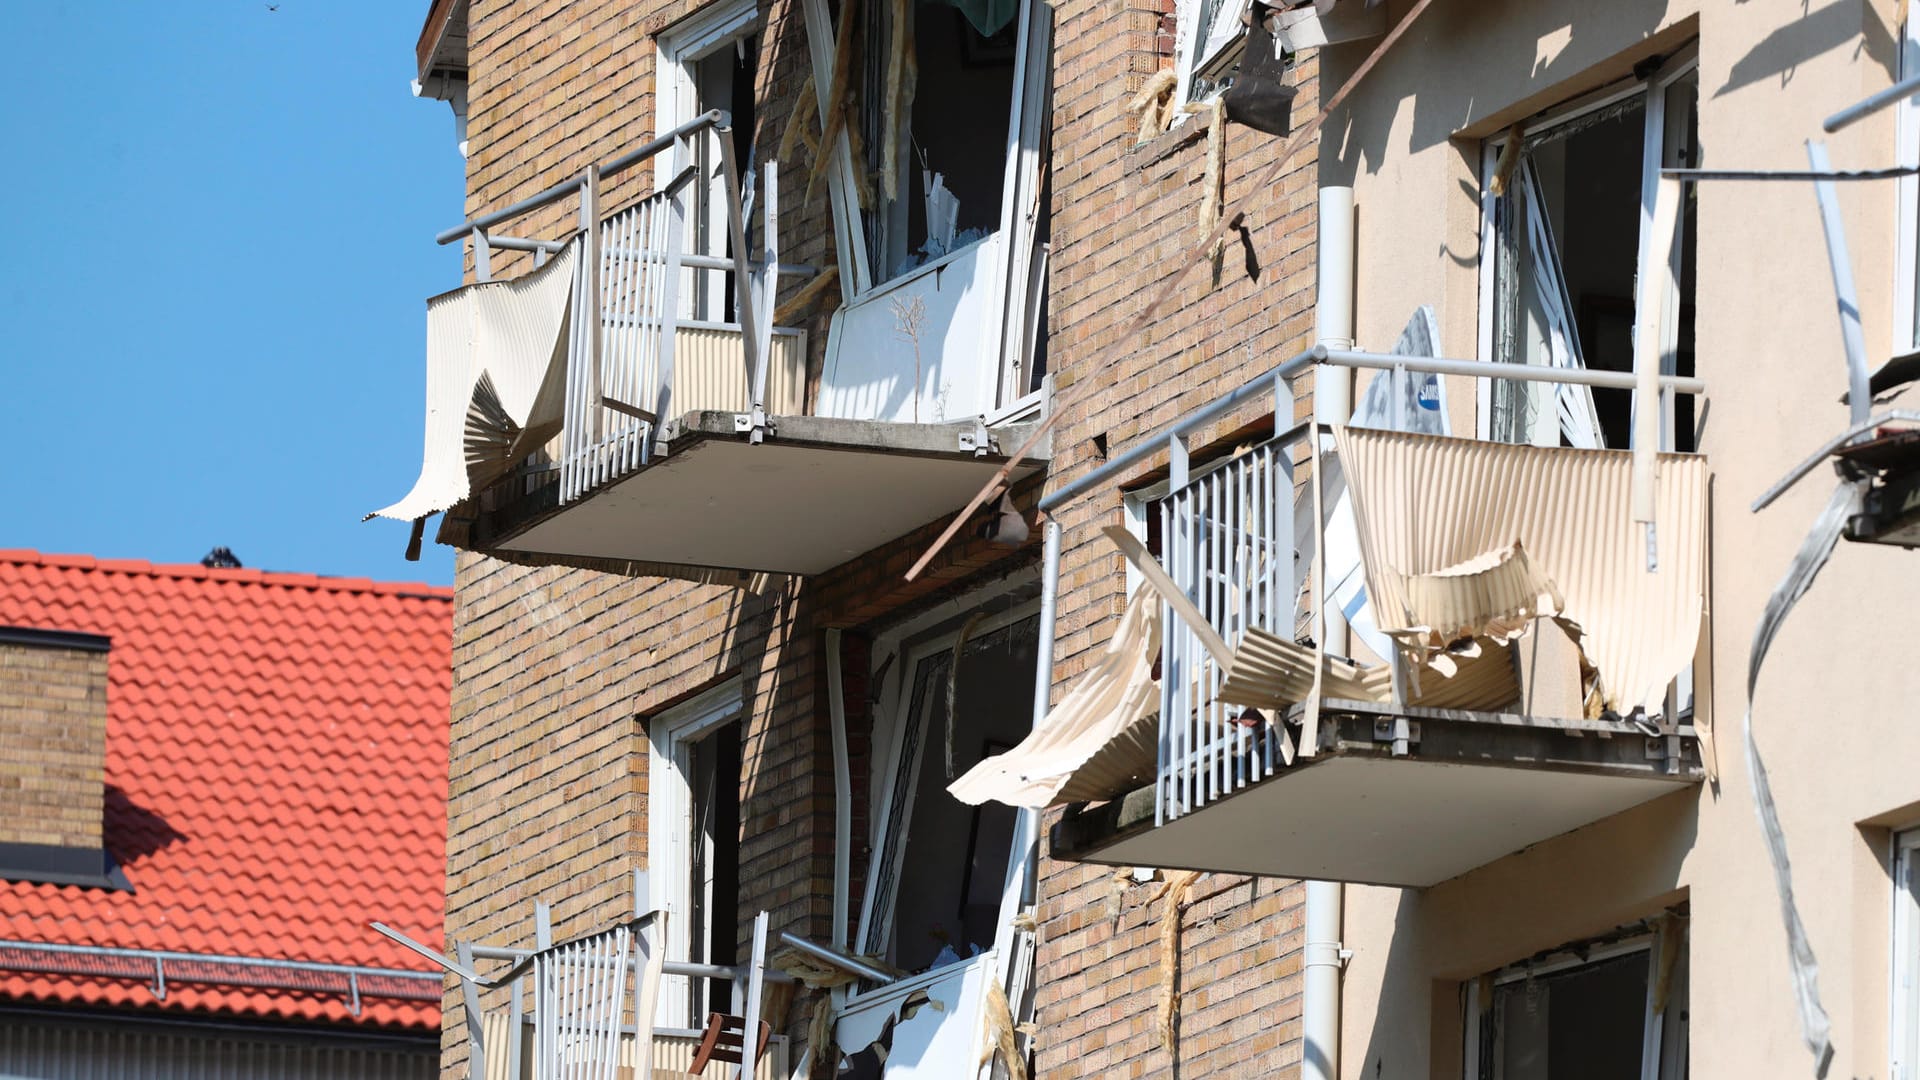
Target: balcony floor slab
1468 793
817 492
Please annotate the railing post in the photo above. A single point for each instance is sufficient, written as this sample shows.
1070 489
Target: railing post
769 279
588 310
743 283
482 256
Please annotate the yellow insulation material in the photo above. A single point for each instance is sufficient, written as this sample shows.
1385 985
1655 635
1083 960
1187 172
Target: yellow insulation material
1175 891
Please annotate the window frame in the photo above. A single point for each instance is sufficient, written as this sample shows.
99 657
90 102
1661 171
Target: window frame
1681 63
679 51
1189 39
876 922
1903 974
1659 1060
671 734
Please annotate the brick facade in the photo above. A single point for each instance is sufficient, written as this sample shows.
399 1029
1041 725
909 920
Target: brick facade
53 743
555 670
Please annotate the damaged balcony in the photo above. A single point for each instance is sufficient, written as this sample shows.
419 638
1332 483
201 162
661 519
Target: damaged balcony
1524 621
627 403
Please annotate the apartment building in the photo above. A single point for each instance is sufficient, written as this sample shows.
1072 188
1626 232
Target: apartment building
1407 536
1677 207
760 297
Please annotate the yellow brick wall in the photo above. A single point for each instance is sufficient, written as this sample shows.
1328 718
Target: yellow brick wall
554 670
53 744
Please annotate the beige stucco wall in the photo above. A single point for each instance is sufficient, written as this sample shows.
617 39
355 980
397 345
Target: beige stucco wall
1834 706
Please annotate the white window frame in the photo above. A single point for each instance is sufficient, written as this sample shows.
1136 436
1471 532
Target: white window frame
1655 1062
1903 1022
892 841
670 738
1683 62
680 50
1196 47
1906 263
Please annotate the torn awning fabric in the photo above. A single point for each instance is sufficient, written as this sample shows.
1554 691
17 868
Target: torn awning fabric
1465 537
1103 737
496 376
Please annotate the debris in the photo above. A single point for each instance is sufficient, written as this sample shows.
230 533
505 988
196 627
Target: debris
1000 1027
1147 104
1509 158
798 121
953 681
834 108
811 291
1262 185
1175 890
899 15
1004 523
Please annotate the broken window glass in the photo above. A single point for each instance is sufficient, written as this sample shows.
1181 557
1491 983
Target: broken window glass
941 869
1566 237
942 135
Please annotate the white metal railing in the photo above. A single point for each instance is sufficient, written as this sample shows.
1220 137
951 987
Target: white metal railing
620 364
579 989
625 298
1228 543
1227 539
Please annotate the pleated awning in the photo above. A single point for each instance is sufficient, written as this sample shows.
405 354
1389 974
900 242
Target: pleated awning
496 375
1100 741
1463 537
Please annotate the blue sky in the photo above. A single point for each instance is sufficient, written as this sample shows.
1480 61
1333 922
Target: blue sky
211 316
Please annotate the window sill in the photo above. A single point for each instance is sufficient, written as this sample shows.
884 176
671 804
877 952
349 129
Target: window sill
1163 146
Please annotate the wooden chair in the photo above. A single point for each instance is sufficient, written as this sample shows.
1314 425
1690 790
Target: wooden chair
724 1040
728 1038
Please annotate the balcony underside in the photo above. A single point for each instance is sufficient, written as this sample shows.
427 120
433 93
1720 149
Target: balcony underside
1471 788
817 492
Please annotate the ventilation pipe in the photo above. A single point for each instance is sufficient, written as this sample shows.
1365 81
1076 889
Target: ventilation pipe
1332 404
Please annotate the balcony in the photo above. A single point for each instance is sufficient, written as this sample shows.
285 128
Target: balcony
1466 726
579 414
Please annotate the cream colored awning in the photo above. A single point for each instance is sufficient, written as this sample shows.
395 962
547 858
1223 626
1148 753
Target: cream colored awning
1100 741
1463 537
496 373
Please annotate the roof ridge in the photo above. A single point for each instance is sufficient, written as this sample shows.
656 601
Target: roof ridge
290 579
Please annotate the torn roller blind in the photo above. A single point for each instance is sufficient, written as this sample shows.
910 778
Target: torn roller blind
1100 741
496 373
1467 537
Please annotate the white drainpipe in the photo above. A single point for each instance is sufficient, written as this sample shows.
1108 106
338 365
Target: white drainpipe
1332 404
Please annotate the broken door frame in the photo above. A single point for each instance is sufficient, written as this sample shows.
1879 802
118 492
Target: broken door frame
1682 62
670 734
876 926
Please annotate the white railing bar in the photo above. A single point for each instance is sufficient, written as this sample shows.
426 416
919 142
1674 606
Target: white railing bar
716 118
1201 415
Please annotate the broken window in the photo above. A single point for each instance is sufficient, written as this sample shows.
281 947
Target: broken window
940 872
1591 1011
1906 955
935 135
1567 216
1208 39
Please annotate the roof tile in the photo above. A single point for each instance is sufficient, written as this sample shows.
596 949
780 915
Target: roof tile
227 691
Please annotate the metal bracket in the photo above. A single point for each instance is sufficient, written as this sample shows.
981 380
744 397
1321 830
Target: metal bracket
159 986
1667 750
1398 730
979 442
753 424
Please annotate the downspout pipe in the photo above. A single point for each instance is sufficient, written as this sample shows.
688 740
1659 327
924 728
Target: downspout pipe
1332 404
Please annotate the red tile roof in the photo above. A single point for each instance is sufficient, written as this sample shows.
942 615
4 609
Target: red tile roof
276 771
